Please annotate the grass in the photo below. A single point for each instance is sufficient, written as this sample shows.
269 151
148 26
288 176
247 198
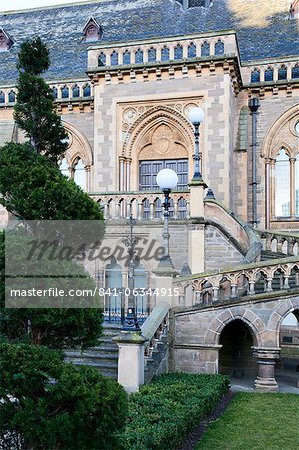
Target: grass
255 422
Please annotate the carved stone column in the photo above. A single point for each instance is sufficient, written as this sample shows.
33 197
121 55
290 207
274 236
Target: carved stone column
266 360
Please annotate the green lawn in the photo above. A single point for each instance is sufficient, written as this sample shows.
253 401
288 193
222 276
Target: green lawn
255 422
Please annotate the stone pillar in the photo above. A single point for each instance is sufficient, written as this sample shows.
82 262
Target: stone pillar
266 359
130 360
197 231
163 278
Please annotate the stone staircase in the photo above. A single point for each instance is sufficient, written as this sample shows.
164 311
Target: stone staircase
103 357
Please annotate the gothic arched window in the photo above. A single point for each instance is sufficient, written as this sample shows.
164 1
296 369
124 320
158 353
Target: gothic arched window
295 71
205 49
269 74
76 91
139 56
192 50
79 173
64 92
12 97
2 97
127 57
55 92
114 58
178 52
86 91
102 59
64 168
219 48
282 184
282 73
255 76
165 54
152 54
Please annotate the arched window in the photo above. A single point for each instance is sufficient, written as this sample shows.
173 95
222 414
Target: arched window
282 73
295 71
182 207
165 54
269 74
282 184
158 208
79 173
140 282
152 54
178 52
219 47
76 91
2 97
255 76
139 56
64 168
205 49
55 92
146 208
64 92
114 58
127 57
102 59
12 97
86 91
192 50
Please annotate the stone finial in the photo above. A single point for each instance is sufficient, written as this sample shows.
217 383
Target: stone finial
185 271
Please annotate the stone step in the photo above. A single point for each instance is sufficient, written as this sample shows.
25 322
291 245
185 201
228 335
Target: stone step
106 360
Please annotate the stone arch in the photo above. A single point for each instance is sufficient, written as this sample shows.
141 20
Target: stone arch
247 316
155 115
281 131
176 140
79 146
280 313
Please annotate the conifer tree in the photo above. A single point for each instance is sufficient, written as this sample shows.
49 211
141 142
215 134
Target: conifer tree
34 111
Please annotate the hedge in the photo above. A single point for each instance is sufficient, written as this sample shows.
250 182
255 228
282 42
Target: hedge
163 412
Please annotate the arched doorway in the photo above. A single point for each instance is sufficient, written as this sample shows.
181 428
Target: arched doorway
235 358
287 368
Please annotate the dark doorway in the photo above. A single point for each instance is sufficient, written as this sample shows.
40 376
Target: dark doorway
236 358
287 367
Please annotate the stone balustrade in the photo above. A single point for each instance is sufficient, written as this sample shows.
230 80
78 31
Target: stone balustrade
61 91
280 242
244 281
163 50
275 71
143 205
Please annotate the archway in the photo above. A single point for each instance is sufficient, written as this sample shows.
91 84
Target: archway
287 368
235 357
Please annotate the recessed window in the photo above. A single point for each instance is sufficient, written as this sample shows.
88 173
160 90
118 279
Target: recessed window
114 58
92 30
86 91
282 73
255 76
139 56
152 54
269 74
11 97
76 91
192 50
205 49
295 71
102 59
65 92
219 48
2 97
178 52
165 54
55 92
127 57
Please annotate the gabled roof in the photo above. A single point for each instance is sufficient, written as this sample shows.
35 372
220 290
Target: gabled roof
94 21
262 27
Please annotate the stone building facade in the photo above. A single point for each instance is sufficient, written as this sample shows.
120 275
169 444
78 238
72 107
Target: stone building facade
125 74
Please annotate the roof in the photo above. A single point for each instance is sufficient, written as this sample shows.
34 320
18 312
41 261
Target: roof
262 26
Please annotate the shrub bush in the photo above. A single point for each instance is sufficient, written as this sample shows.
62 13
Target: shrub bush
49 404
163 412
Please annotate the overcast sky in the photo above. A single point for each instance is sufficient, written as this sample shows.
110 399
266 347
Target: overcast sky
14 5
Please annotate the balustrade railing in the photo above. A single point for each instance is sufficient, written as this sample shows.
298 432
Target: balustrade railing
155 331
279 242
116 304
248 280
279 71
143 205
157 50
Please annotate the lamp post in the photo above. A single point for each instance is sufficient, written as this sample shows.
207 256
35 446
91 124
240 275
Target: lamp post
130 241
167 179
196 116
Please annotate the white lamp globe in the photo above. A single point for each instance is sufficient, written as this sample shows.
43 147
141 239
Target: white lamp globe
196 115
167 179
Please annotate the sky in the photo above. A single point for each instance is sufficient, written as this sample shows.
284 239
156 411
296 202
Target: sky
14 5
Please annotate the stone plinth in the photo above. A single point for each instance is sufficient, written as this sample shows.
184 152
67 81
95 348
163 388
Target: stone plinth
266 359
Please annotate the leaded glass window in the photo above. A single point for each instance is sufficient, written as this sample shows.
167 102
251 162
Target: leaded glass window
86 91
76 91
114 58
282 73
148 172
139 56
79 174
2 97
269 74
205 49
282 184
12 97
219 48
178 52
102 59
127 57
192 50
152 54
165 54
65 92
295 71
255 76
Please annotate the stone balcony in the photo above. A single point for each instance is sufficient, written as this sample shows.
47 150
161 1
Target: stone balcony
145 205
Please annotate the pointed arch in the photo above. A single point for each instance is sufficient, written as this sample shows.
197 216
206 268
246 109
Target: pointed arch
79 146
